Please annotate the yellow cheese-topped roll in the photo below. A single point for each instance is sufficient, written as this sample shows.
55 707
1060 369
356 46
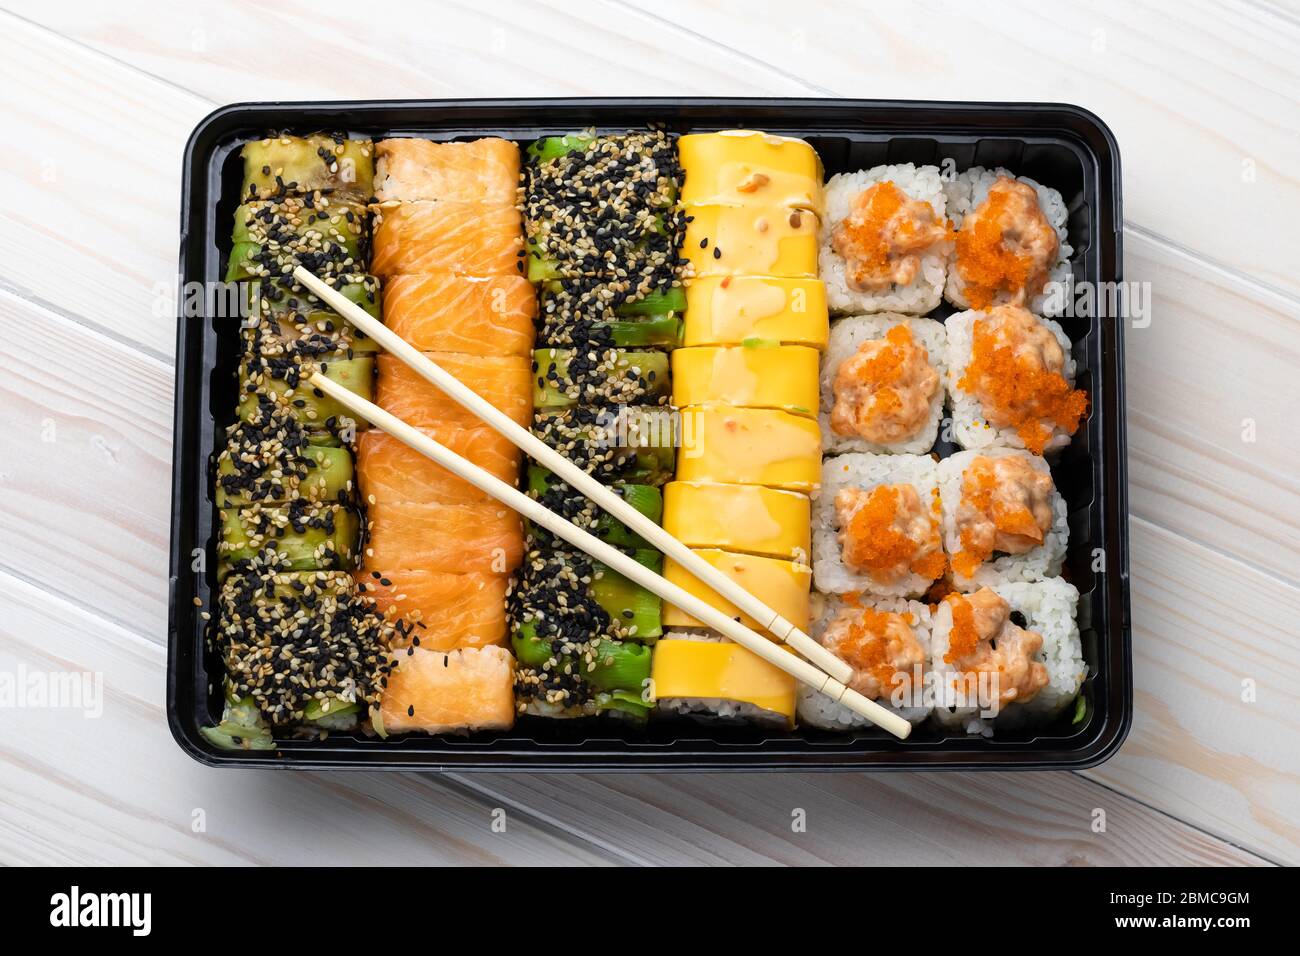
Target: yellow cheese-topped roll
727 310
751 240
783 585
757 375
749 446
749 518
747 166
713 670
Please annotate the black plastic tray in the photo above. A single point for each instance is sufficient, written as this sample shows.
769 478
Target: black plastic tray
1062 146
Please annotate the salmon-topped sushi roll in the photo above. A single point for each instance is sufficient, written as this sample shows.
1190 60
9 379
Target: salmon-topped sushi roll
504 380
448 692
1011 242
439 610
481 171
391 470
484 537
475 315
439 236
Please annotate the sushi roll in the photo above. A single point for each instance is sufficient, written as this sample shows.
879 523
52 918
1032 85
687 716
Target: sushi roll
482 171
1003 519
558 498
735 310
751 240
885 241
887 643
739 518
784 585
1006 657
1011 240
299 535
876 526
283 323
473 315
700 675
590 318
437 692
567 377
503 380
300 649
634 444
750 446
391 470
484 537
460 238
327 163
882 384
266 381
329 237
438 610
746 166
755 375
274 459
1011 381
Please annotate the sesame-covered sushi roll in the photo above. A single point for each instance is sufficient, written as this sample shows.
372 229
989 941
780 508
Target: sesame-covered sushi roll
326 235
885 240
876 526
599 376
734 310
882 384
298 535
558 498
634 444
278 380
1003 519
701 675
887 643
327 163
1011 240
1011 381
282 322
273 458
1006 657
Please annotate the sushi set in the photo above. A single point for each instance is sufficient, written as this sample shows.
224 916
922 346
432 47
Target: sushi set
650 434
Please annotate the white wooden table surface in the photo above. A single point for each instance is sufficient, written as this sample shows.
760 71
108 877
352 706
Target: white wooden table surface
1204 99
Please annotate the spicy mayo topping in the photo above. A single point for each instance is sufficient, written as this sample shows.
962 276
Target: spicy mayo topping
884 391
983 639
888 532
1006 246
880 646
1015 372
1006 506
884 236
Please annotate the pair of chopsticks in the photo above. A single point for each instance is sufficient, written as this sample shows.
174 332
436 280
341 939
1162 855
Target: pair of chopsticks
827 676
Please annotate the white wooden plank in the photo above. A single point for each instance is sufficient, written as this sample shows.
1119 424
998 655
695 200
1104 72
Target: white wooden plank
116 790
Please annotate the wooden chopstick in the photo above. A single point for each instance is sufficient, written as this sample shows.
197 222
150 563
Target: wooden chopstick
750 604
610 556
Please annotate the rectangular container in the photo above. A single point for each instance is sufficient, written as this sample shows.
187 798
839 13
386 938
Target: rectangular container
1061 146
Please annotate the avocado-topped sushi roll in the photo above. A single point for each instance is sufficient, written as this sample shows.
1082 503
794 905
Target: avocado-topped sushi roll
281 322
299 535
559 498
328 236
635 444
300 647
886 239
570 319
267 380
882 384
1011 380
273 458
887 643
1006 656
877 524
700 675
592 376
1011 240
1003 519
328 163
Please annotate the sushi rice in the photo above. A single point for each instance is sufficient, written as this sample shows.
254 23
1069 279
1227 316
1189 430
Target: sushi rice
716 710
967 192
847 336
864 471
924 292
1049 608
1041 562
817 709
969 427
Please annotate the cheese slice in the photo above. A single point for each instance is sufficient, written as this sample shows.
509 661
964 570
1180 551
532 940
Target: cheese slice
751 376
747 166
728 310
725 671
747 518
751 240
749 446
784 586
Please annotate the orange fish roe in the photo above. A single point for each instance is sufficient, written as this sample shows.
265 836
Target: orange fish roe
874 543
988 263
883 392
875 644
883 235
1017 391
964 637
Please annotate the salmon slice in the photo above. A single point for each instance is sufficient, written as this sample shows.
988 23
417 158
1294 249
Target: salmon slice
460 691
452 610
486 537
450 313
463 238
393 471
484 171
504 380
